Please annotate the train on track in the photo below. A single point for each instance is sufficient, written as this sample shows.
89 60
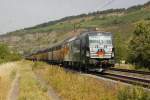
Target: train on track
89 50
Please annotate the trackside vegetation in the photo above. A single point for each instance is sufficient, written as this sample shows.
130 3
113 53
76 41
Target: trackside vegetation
7 55
73 86
68 85
137 50
134 93
140 45
30 88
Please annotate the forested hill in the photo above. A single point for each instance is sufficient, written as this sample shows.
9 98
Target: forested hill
119 21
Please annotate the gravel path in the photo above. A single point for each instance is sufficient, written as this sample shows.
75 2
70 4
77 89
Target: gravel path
51 93
14 91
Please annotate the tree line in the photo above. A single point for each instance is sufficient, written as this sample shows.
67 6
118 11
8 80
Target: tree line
7 54
138 50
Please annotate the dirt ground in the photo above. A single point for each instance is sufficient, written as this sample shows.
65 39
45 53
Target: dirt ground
18 82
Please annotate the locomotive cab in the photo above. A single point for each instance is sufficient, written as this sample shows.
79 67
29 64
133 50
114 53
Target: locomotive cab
101 50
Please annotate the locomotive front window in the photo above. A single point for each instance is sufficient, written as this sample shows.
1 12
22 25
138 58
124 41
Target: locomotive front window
100 40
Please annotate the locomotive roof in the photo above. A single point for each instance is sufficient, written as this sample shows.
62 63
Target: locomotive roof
82 34
95 33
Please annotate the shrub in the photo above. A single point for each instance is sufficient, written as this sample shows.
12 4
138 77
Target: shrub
140 45
8 55
133 94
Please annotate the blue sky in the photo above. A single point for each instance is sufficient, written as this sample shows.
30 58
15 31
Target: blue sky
16 14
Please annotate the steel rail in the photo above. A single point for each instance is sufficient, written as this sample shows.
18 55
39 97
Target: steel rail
130 71
126 79
145 83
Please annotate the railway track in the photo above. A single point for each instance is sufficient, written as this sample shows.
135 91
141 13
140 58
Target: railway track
133 77
139 78
130 71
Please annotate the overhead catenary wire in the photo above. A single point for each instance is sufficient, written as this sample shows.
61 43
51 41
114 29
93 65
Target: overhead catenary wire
105 4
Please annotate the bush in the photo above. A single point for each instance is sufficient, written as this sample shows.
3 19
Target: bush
140 45
133 94
120 49
7 55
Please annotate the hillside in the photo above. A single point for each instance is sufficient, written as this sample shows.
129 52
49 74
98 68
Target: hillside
121 21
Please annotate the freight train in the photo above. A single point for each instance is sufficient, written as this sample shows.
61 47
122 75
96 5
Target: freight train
89 50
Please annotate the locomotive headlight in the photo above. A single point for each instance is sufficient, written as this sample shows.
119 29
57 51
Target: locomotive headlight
113 54
111 49
87 53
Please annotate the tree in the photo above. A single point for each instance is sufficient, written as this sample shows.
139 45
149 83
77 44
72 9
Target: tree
4 51
140 45
120 50
8 55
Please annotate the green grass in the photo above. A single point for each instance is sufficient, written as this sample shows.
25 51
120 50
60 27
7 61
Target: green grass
132 67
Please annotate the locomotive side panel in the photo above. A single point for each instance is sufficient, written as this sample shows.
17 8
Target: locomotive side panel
45 56
84 47
50 55
75 53
57 55
66 52
41 56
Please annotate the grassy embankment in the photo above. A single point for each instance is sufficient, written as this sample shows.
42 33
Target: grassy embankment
7 74
72 86
30 88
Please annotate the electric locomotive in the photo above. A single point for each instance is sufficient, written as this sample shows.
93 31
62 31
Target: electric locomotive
89 50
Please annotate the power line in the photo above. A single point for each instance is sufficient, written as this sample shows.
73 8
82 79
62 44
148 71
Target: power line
106 4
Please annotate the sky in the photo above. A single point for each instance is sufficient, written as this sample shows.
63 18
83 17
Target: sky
18 14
